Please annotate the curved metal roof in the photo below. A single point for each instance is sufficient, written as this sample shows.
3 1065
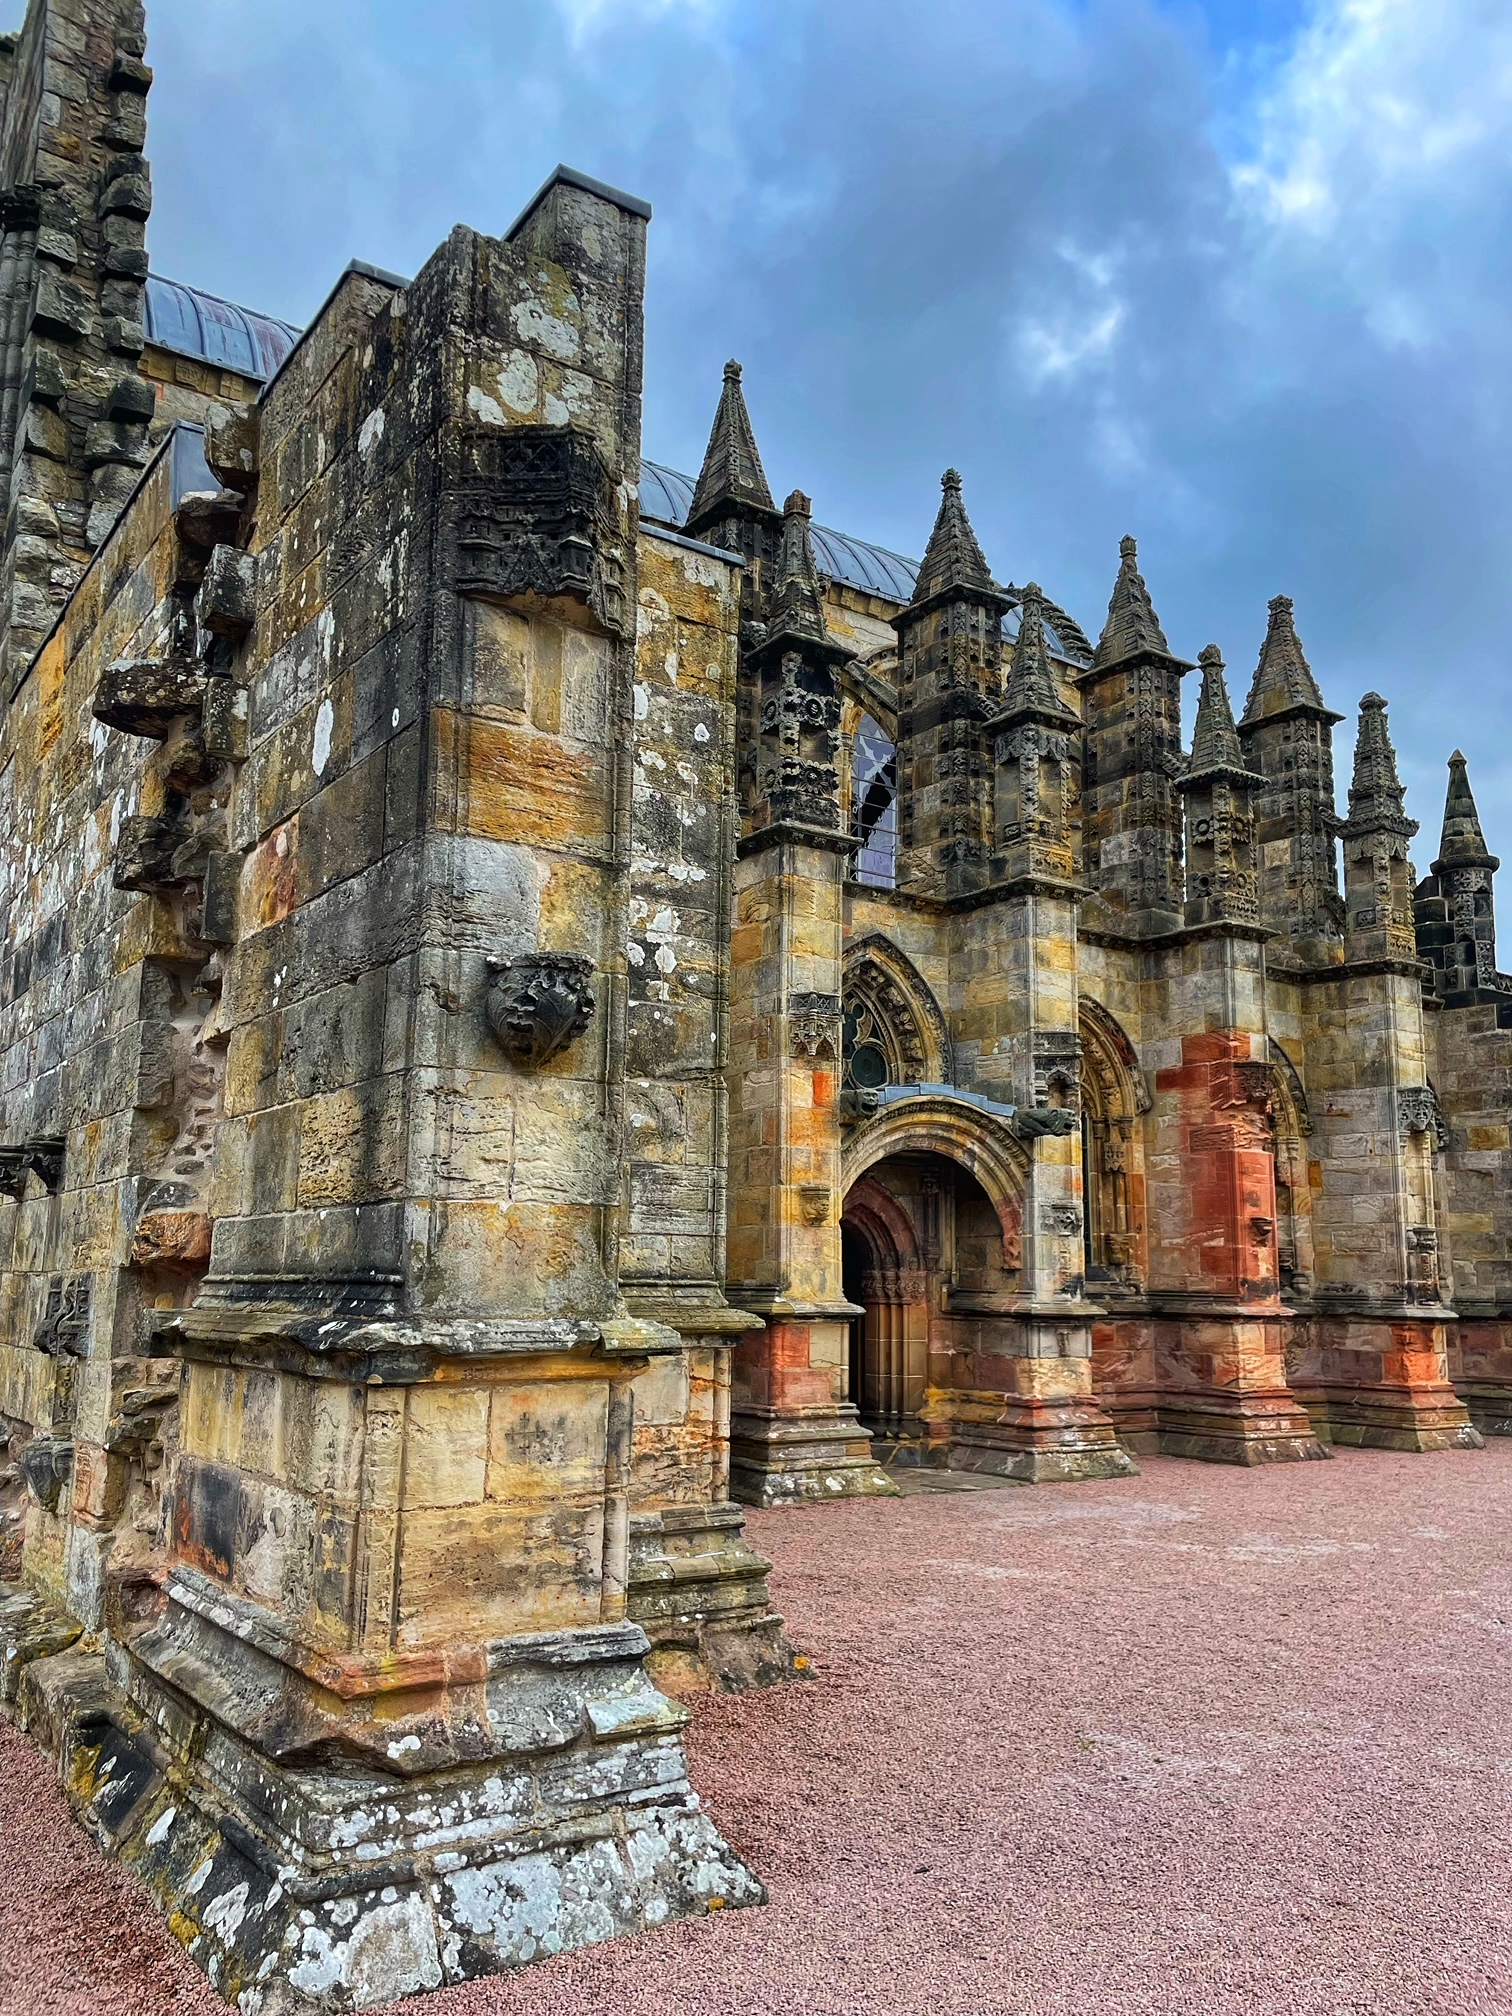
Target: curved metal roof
667 497
201 325
217 332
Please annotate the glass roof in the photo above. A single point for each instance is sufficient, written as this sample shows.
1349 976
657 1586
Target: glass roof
218 332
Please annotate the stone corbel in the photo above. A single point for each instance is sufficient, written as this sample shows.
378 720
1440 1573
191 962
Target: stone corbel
814 1203
41 1156
1030 1123
47 1465
814 1025
226 605
538 1003
145 696
1419 1112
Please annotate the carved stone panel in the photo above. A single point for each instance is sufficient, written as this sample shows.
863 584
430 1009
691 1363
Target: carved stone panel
532 514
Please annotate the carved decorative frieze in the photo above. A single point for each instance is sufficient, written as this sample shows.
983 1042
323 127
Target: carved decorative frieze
538 1002
533 516
1065 1220
64 1329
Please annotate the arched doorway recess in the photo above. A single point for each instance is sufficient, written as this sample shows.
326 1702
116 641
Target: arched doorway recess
932 1248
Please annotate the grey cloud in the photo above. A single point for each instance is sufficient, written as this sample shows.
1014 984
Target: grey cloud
1000 234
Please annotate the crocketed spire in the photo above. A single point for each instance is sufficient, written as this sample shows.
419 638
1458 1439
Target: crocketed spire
798 610
1283 678
1132 629
732 475
1031 686
1215 739
953 560
1462 844
1377 801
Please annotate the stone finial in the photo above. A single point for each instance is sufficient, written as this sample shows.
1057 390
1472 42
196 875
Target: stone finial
732 479
1215 739
798 608
1132 629
1031 686
1377 800
953 561
1462 844
1283 678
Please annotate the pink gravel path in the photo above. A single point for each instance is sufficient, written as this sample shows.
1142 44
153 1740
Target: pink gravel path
1197 1743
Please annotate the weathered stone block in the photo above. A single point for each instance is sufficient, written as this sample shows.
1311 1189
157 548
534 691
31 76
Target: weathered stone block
226 604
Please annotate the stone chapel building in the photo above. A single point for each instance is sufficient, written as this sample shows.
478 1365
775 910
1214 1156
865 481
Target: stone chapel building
543 1001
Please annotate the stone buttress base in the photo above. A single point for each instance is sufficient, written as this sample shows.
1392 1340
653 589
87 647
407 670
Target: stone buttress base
1029 1412
795 1455
1036 1440
792 1439
698 1590
1223 1395
1380 1382
1481 1363
315 1882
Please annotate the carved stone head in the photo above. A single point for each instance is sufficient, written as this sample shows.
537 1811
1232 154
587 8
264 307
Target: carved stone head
538 1002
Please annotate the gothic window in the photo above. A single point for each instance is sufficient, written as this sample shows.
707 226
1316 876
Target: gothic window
868 1064
894 1033
874 802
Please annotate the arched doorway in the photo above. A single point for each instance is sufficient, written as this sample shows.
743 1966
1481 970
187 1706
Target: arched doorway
882 1256
930 1261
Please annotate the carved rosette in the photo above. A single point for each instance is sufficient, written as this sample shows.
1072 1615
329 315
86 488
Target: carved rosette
538 1002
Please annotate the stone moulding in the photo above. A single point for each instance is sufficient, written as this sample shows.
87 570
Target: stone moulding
538 1003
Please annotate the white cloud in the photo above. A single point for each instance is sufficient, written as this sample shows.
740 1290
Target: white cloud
1078 330
1387 126
587 18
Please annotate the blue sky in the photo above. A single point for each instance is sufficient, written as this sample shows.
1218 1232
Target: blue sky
1232 276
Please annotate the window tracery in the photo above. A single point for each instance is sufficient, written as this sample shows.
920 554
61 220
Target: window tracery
874 804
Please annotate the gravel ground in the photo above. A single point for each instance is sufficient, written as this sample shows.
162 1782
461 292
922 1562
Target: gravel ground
1201 1742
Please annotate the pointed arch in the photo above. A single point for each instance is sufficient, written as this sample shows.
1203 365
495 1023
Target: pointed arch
1114 1093
1111 1074
892 1014
937 1124
1290 1123
887 1228
1288 1094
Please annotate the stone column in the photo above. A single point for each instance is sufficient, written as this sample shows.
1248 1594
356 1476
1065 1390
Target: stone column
793 1433
1046 1424
1373 1364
